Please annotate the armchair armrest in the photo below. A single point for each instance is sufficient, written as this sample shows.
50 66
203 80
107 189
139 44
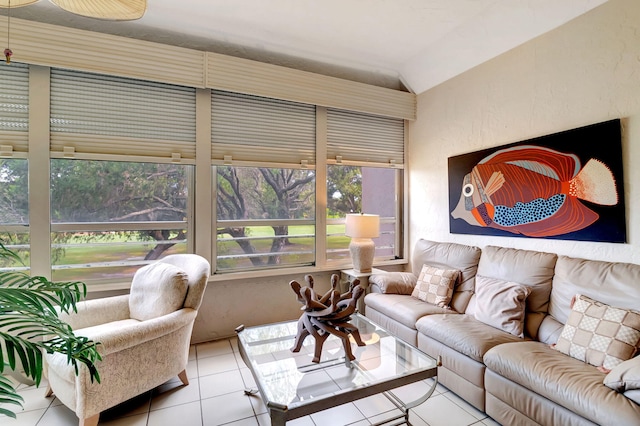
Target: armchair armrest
393 282
98 311
121 337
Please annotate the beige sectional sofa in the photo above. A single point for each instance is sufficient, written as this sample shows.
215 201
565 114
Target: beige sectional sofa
501 292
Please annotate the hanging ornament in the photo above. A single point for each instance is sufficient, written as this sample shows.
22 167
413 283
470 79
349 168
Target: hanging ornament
8 52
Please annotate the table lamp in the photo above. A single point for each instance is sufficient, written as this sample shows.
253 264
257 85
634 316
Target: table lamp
362 228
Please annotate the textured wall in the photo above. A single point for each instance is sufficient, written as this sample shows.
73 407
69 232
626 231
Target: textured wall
228 304
584 72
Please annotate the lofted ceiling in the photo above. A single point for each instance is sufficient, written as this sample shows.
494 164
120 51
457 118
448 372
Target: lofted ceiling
402 44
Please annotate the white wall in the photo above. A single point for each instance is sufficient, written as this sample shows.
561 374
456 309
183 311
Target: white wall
584 72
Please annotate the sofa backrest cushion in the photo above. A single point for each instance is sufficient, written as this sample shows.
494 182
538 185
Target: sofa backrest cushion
530 268
157 289
616 284
450 256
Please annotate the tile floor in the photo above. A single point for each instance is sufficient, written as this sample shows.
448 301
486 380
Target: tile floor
215 396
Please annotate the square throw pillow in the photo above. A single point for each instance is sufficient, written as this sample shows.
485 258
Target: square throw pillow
435 285
157 289
599 334
501 304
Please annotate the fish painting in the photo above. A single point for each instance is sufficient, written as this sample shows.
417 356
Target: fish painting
534 191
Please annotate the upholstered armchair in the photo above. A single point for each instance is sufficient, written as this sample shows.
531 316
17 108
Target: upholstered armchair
144 337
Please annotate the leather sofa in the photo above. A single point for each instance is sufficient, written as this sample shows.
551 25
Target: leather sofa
517 379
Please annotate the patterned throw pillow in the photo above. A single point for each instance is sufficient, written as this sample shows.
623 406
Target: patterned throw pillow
435 285
599 334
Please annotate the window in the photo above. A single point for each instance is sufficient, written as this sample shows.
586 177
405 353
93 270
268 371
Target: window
355 189
14 137
109 218
263 151
121 174
14 207
122 153
365 156
265 217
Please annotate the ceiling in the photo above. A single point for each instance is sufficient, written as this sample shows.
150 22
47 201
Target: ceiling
402 44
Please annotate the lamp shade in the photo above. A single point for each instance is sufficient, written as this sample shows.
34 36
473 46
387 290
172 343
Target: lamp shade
360 225
116 10
15 3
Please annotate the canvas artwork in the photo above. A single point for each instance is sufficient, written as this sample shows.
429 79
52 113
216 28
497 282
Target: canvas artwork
568 185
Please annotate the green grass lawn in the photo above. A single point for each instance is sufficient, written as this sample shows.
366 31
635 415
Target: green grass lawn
112 251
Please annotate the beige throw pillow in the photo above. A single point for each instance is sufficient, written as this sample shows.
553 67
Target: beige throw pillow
624 376
157 289
501 304
435 285
599 334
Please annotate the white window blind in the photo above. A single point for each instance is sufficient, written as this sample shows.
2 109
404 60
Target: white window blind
261 130
14 107
104 115
358 137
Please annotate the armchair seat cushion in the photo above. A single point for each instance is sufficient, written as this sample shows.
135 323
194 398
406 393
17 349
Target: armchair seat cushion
157 289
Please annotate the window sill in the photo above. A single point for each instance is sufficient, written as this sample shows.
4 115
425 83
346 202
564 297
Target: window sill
293 271
99 287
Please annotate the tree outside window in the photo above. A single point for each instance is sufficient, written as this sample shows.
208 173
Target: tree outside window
109 218
265 217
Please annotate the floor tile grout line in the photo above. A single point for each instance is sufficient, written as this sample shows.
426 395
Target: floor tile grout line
446 392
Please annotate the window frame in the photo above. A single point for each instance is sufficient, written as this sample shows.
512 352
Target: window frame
204 235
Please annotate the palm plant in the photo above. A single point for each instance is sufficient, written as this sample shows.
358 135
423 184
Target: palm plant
30 325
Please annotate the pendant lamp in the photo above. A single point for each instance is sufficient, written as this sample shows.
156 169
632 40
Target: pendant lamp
114 10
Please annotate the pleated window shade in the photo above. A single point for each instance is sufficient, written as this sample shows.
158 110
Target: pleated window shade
14 106
261 130
105 115
359 137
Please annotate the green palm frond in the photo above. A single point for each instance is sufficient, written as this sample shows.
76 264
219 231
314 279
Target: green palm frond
8 396
30 326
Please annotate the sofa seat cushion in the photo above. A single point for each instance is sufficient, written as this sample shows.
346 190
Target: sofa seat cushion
402 308
574 384
463 333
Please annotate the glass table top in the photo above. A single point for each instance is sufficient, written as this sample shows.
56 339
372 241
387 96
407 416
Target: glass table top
291 379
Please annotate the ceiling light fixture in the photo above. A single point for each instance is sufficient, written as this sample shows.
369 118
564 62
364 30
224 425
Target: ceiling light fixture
114 10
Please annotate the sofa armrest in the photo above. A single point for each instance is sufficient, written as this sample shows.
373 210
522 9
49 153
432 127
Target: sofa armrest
121 337
393 282
98 311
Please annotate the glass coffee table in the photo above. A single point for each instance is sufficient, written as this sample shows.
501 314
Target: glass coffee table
292 386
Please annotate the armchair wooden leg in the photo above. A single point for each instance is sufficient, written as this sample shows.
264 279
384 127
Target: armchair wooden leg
183 377
90 421
48 392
